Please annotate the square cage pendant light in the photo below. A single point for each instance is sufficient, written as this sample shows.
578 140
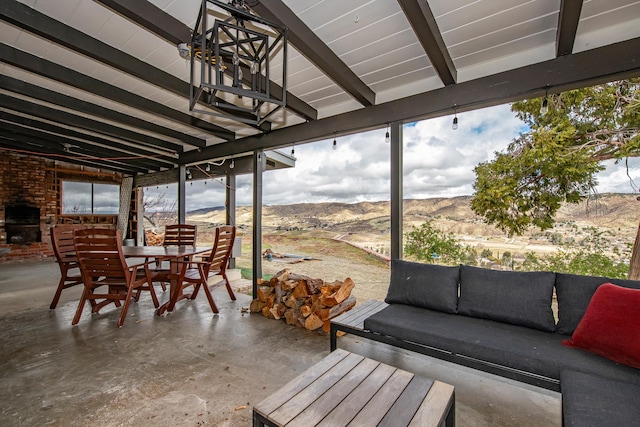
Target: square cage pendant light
233 59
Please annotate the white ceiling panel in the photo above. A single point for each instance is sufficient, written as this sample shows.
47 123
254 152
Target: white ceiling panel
115 32
316 16
401 40
88 17
59 9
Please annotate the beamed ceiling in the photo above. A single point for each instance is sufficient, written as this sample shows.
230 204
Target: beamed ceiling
100 83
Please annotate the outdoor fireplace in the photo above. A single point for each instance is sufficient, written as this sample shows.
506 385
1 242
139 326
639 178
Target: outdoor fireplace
22 224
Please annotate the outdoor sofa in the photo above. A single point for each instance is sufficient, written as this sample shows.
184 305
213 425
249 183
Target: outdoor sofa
502 322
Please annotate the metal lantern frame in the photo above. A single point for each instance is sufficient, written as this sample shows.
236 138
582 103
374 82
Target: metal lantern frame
235 59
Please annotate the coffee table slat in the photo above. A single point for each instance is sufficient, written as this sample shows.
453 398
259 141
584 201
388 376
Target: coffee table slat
351 405
408 403
309 394
299 383
434 408
328 401
375 410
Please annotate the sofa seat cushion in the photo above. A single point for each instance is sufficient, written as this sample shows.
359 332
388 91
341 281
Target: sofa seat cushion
516 347
516 297
591 400
424 285
574 293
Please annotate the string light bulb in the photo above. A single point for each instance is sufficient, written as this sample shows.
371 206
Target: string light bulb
387 137
232 164
335 144
208 168
544 107
454 124
293 150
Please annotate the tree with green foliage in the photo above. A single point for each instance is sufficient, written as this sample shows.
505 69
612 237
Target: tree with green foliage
557 159
590 261
427 243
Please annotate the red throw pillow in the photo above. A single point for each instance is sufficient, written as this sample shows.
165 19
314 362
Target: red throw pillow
611 325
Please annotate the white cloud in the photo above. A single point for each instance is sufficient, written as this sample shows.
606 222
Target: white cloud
438 162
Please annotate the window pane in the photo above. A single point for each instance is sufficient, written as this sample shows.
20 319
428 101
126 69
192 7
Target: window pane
106 199
76 197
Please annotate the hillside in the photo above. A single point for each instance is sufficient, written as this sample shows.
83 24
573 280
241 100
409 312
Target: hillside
619 211
320 230
367 224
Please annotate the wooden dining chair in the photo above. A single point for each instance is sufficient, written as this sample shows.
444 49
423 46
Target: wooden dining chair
106 276
180 235
175 235
65 253
199 273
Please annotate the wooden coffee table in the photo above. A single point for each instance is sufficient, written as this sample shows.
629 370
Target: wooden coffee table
348 389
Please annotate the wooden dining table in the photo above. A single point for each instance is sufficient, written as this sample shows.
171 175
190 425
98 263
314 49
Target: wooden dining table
173 254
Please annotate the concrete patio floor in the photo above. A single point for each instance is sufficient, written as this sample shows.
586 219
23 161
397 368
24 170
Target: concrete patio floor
191 367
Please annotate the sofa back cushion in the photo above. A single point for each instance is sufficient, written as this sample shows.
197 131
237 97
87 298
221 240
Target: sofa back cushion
518 298
574 293
424 285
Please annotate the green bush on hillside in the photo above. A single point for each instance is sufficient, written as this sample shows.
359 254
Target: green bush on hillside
427 243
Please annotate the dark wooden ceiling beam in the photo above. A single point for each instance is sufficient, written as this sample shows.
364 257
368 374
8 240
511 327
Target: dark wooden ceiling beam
145 159
24 144
81 122
588 68
314 49
426 29
43 67
154 19
50 96
568 19
38 23
106 157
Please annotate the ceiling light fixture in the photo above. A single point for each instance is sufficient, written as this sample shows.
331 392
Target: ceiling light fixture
234 56
454 124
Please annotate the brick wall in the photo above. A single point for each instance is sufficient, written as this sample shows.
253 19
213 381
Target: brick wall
23 181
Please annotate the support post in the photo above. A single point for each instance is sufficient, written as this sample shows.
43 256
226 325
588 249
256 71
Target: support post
259 165
182 200
396 190
231 208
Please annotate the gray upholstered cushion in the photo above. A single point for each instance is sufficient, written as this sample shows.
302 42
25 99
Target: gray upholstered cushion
519 298
591 400
574 294
517 347
424 285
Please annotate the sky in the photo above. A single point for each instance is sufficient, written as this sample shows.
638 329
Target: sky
438 162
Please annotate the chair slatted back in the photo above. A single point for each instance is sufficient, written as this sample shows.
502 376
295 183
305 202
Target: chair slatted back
65 252
180 235
99 252
62 242
221 252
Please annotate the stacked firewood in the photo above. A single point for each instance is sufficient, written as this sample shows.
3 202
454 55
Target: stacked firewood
303 301
153 239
